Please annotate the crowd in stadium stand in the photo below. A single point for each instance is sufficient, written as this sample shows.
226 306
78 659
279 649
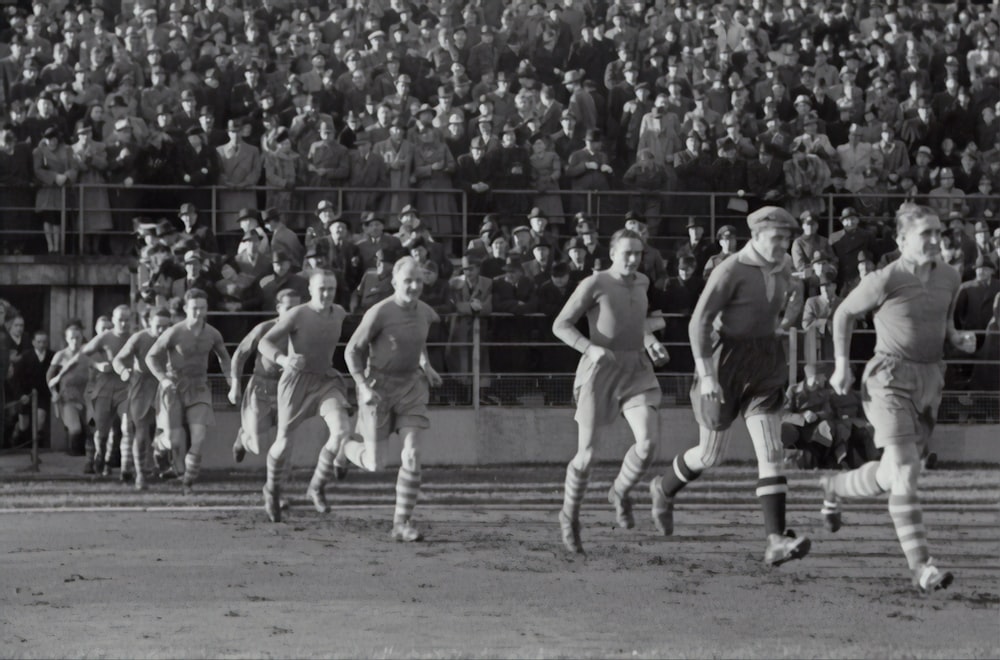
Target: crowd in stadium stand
333 132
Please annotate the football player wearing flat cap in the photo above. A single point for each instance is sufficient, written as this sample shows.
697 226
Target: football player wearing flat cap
743 372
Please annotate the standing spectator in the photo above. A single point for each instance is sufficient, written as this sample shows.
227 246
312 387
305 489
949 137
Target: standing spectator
546 171
974 305
397 152
698 247
588 170
816 315
369 177
806 177
327 165
848 245
476 172
55 169
239 170
95 210
16 185
282 165
472 296
197 163
809 243
433 166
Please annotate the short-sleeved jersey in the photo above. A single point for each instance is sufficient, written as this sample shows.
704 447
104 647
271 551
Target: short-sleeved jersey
312 334
911 318
616 309
137 347
393 336
746 296
186 352
262 366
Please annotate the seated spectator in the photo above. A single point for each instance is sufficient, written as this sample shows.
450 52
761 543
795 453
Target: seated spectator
237 291
579 266
195 278
805 424
202 235
374 239
283 239
726 236
375 285
283 277
817 313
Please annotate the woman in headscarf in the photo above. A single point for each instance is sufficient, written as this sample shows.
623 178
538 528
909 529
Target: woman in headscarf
55 169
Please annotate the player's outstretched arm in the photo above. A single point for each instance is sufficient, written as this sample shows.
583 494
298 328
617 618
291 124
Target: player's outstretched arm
356 354
219 348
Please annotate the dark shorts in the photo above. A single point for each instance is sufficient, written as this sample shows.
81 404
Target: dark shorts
142 394
403 404
258 411
302 395
752 373
603 391
901 398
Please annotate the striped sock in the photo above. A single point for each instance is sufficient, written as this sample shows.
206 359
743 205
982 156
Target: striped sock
139 455
909 522
678 477
407 491
275 468
632 470
861 482
324 468
109 447
126 452
576 486
192 467
772 492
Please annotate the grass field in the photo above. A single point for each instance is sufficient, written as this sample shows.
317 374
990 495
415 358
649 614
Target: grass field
91 569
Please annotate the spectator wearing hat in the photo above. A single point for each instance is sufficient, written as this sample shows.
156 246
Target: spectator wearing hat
369 179
545 170
398 153
203 235
91 164
890 154
340 254
484 56
922 129
946 198
726 238
806 177
374 238
55 168
765 178
974 304
693 166
660 132
195 277
283 276
577 257
848 244
375 284
197 166
496 254
581 104
476 174
871 201
807 419
811 242
855 157
981 236
698 246
512 293
239 169
156 94
472 296
16 189
282 170
650 179
433 167
588 169
326 166
816 315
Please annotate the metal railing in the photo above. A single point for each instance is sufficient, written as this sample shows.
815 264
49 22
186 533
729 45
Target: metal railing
607 207
485 384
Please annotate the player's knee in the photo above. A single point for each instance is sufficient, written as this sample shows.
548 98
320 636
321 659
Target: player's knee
645 449
583 459
410 458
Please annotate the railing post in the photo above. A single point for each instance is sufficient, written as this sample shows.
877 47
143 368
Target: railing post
476 347
711 214
829 215
34 430
793 355
214 210
63 218
80 215
465 221
590 204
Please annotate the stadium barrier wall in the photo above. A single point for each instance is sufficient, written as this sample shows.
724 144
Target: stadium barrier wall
493 436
